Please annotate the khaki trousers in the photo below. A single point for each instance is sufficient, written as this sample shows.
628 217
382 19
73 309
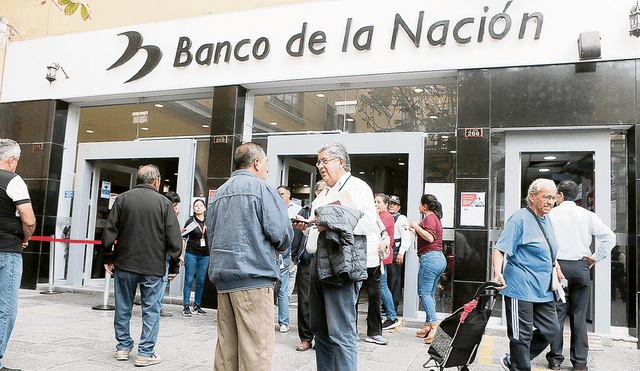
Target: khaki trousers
246 333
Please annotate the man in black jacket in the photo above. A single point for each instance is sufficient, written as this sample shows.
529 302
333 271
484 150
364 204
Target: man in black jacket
146 229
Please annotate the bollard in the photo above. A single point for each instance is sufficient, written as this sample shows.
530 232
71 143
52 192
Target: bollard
105 297
51 261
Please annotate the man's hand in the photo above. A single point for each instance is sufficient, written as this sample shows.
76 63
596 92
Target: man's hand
172 276
181 259
591 260
109 268
559 271
400 258
25 244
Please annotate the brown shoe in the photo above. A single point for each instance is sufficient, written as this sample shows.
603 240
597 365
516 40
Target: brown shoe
432 333
303 346
425 331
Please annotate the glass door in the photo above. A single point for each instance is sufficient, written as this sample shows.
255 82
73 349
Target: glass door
300 177
109 180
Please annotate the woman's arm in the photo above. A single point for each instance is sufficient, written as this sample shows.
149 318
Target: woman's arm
419 231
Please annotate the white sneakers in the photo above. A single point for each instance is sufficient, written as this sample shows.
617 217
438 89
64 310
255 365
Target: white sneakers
284 328
148 361
122 355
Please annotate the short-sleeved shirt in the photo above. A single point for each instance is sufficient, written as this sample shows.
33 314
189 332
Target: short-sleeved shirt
431 223
528 269
13 192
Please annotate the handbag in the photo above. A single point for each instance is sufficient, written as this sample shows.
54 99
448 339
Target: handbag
555 283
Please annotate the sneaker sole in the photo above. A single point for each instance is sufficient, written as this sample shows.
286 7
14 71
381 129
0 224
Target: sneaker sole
373 341
397 324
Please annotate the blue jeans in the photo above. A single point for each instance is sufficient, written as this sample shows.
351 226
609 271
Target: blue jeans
10 277
150 293
283 293
387 298
194 265
333 323
432 265
165 282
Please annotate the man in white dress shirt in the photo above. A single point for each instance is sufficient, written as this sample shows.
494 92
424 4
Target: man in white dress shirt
574 228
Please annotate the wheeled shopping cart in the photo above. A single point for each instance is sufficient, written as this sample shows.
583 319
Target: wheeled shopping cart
458 337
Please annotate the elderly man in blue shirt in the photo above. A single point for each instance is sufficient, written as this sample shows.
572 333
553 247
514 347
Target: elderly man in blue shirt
530 256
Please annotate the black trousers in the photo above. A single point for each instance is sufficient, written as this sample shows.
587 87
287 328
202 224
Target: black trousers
577 292
303 280
374 293
530 328
394 278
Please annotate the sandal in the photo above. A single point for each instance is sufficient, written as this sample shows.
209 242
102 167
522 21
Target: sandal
425 331
432 333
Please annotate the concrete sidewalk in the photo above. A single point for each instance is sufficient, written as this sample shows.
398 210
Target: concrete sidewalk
62 332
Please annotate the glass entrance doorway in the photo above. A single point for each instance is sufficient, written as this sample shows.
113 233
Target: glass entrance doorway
582 156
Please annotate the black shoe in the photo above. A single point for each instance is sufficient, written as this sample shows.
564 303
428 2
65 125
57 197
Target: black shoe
580 368
9 369
506 363
390 323
199 311
186 312
554 366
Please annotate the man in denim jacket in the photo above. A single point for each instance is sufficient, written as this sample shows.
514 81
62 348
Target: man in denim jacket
247 226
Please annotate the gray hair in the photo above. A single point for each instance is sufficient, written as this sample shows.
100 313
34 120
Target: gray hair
534 188
9 148
147 174
319 184
246 155
337 150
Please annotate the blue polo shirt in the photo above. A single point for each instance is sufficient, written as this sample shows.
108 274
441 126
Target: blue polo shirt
528 268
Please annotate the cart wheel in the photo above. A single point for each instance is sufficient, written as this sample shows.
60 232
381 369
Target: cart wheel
431 368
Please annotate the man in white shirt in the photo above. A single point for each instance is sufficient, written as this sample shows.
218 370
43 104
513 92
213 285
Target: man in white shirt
333 308
574 228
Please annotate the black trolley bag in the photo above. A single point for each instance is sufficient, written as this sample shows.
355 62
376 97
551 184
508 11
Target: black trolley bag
456 343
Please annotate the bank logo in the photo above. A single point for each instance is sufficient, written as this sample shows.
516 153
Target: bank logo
154 54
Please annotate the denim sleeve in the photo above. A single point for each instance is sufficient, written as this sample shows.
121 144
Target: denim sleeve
276 224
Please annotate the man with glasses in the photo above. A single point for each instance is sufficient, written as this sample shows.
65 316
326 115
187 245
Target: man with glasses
333 302
17 223
526 279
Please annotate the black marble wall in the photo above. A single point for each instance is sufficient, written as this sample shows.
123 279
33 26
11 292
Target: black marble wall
39 128
227 120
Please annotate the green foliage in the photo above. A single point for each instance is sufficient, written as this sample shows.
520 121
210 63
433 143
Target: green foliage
69 7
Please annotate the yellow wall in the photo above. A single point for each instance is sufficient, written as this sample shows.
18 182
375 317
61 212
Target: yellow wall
34 21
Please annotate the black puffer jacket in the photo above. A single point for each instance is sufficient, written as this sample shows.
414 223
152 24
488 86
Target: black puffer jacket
341 255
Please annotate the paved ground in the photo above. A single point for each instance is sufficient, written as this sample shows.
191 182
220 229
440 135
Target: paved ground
62 332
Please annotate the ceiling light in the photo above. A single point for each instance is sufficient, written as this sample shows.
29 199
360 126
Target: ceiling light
401 163
350 119
444 136
453 151
176 174
543 170
205 125
550 157
320 95
433 117
90 131
361 173
305 185
144 128
418 90
158 105
273 123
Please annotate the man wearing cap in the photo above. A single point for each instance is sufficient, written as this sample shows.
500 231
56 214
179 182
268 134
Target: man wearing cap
401 244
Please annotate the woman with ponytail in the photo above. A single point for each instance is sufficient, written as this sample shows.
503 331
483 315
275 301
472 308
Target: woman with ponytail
432 260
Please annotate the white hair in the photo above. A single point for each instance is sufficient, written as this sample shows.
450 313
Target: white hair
9 148
534 188
337 150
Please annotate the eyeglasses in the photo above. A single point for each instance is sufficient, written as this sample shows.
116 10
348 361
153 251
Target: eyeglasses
550 198
323 162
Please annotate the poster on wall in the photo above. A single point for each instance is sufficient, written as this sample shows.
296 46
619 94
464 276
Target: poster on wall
472 209
445 193
105 189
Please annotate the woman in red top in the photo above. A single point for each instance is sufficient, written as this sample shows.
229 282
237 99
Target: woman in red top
432 261
382 205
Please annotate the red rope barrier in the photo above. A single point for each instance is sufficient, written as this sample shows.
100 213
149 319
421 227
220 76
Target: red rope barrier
51 239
